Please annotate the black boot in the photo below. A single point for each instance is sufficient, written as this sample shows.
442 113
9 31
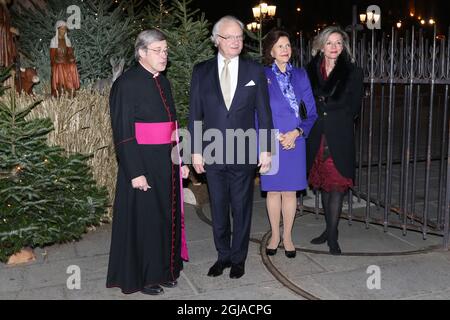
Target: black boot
335 250
334 211
320 239
324 236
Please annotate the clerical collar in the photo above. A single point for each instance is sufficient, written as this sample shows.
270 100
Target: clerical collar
154 75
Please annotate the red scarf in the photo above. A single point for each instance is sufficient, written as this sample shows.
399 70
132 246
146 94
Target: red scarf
323 70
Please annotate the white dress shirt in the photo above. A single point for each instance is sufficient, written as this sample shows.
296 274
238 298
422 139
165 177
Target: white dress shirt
233 68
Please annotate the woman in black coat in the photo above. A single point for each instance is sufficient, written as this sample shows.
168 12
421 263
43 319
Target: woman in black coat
337 85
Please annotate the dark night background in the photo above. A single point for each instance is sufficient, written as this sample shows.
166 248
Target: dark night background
314 12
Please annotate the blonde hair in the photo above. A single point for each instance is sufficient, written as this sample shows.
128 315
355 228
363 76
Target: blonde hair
320 40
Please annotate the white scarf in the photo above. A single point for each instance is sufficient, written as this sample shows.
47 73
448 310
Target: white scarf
55 41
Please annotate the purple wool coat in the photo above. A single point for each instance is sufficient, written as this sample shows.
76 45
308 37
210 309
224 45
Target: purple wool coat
288 172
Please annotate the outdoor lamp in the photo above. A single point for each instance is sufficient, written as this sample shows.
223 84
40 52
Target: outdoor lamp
271 10
256 12
362 18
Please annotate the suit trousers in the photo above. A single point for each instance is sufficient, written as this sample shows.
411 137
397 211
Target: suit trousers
231 187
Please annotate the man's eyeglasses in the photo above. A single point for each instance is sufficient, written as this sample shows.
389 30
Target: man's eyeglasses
160 51
232 38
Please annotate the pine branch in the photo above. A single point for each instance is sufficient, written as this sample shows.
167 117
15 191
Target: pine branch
189 43
106 31
46 196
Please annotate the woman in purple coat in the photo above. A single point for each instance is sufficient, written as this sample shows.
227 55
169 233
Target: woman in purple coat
288 86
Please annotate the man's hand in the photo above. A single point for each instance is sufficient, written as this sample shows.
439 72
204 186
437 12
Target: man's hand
198 163
140 183
184 172
265 161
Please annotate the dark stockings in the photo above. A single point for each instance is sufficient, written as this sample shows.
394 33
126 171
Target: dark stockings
332 205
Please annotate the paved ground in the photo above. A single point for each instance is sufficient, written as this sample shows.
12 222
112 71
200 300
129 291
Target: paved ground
418 276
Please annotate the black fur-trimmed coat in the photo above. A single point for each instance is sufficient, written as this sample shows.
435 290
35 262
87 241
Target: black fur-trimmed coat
338 102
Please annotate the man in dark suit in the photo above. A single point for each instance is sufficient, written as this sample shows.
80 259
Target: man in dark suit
229 100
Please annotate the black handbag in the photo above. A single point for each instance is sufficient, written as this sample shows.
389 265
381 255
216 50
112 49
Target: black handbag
302 110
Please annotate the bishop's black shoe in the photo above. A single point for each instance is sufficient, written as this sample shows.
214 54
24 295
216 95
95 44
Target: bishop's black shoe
170 284
153 290
217 268
237 270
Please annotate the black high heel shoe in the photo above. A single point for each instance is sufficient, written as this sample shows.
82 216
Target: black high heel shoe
272 252
290 254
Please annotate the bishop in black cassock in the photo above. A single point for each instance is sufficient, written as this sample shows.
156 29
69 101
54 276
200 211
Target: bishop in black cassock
146 240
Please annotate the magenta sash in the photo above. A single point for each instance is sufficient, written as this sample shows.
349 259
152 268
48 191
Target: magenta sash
154 133
162 133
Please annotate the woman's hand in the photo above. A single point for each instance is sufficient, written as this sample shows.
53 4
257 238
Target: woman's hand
140 183
287 139
184 172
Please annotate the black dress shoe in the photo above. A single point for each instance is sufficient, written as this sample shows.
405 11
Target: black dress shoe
237 271
170 284
290 254
153 290
320 239
218 267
